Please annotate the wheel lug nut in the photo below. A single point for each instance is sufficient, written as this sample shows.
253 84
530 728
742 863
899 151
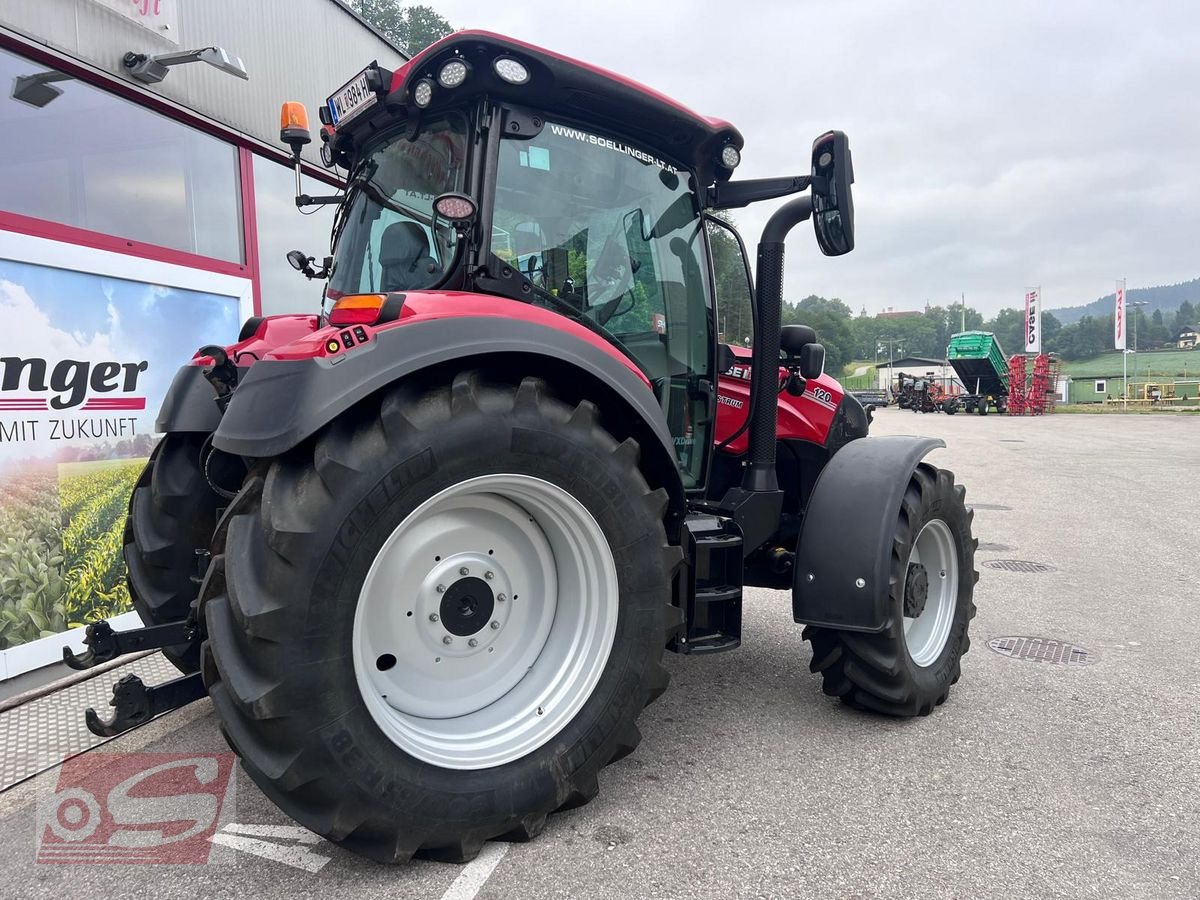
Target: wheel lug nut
447 639
489 575
472 643
464 571
441 589
501 598
495 626
433 617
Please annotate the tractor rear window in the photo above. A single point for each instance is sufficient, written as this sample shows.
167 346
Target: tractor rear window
615 232
386 237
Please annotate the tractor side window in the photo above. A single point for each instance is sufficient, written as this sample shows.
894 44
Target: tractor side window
613 234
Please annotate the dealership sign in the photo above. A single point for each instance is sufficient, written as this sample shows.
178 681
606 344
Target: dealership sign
87 360
1033 320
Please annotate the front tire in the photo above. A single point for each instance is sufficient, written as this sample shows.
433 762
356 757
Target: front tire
394 734
907 668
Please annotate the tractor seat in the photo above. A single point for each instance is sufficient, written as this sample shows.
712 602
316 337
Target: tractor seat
404 256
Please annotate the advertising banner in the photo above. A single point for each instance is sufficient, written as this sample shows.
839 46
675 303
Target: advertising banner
1033 321
1119 319
85 361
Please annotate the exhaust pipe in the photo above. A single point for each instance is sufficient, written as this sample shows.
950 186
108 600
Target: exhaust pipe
764 371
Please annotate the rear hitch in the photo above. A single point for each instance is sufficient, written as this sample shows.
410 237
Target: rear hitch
135 704
104 644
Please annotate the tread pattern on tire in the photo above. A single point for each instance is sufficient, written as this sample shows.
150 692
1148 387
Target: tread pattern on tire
247 667
869 670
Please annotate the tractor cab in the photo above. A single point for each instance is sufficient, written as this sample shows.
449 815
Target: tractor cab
496 167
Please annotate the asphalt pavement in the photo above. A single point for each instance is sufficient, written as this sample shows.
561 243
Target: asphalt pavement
1033 780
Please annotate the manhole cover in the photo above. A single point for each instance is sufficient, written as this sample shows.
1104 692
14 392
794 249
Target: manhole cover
1038 649
1018 565
993 548
987 506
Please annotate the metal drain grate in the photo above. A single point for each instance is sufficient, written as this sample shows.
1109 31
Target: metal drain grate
1038 649
988 506
992 548
1019 565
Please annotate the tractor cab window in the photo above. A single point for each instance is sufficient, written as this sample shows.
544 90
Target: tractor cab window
387 239
611 234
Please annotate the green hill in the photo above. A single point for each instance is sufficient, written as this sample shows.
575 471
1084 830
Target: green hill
1149 364
1167 297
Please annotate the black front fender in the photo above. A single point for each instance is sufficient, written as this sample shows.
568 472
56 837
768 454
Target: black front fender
847 533
280 403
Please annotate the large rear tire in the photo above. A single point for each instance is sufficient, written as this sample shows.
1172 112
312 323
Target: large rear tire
907 669
172 513
441 617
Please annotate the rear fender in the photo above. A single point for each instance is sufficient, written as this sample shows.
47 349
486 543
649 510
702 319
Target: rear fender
847 533
290 395
191 403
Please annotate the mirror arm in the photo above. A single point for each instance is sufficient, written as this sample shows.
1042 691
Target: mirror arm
303 200
736 194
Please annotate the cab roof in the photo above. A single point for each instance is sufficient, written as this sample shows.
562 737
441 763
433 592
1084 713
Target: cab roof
561 86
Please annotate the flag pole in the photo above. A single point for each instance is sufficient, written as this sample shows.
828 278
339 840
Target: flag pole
1124 358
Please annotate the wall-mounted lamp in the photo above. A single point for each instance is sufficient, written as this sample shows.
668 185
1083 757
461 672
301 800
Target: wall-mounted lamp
37 90
153 69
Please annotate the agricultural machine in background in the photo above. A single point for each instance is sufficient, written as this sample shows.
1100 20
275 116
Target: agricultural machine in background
425 550
980 365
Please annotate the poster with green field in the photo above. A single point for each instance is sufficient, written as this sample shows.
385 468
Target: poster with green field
85 361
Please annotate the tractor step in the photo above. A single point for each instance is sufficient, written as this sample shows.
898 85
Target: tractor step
713 604
134 703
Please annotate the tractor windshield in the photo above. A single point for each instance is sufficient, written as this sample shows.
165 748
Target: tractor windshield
614 234
386 237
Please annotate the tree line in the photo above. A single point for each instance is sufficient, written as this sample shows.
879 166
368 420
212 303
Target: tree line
847 336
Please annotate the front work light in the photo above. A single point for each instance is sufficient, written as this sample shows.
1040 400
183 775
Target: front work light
453 74
423 93
730 157
455 207
511 70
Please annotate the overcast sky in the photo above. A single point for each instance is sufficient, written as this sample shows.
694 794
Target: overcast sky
996 144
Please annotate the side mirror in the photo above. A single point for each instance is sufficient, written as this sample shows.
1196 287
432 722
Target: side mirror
794 338
833 206
812 361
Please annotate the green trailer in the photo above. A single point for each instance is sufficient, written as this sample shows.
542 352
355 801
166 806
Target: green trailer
980 365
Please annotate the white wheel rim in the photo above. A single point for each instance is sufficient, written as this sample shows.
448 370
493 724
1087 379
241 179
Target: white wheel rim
530 625
926 634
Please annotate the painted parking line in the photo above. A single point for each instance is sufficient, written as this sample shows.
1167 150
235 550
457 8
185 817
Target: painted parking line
476 873
295 855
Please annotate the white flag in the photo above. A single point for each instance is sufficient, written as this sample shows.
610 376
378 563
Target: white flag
1033 321
1119 320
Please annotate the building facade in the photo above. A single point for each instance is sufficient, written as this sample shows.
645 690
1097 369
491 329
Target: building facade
139 220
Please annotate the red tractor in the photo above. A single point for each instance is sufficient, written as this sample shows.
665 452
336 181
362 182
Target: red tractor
425 550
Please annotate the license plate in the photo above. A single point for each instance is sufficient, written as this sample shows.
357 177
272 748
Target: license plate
352 99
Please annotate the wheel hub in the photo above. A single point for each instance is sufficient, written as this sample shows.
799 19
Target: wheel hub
467 606
916 590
